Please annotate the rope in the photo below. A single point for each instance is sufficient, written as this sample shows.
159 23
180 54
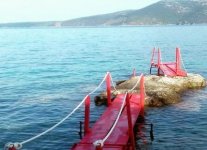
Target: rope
101 141
10 145
119 114
19 145
113 83
57 124
183 63
99 84
161 57
136 83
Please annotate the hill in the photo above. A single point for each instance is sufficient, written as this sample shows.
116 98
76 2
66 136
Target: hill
160 13
163 12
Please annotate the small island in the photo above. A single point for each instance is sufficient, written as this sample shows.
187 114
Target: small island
160 90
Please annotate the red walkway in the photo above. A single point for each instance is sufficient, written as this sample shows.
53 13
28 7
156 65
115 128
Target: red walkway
164 68
122 136
114 130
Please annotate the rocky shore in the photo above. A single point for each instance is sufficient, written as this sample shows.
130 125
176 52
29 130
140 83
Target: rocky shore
160 90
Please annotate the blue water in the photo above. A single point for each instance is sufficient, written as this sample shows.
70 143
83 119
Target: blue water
45 73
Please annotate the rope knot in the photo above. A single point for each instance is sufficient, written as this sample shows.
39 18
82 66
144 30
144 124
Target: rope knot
98 143
13 146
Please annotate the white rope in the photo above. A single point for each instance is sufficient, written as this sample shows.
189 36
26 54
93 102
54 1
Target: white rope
136 83
183 63
101 141
119 114
8 145
152 57
57 124
99 84
161 57
113 83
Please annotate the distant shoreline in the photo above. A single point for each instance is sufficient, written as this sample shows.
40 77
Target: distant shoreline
108 26
162 13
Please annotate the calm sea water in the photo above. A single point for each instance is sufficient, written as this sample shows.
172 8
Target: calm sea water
45 73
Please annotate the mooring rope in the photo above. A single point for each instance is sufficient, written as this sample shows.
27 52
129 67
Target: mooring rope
57 124
161 57
113 85
18 145
119 114
138 81
100 142
183 63
99 84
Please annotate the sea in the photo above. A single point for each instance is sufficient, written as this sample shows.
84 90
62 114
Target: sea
46 72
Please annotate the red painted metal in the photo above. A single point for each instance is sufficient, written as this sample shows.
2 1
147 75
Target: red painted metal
87 115
99 147
142 96
130 126
158 58
168 68
122 136
118 140
12 148
158 61
108 89
177 59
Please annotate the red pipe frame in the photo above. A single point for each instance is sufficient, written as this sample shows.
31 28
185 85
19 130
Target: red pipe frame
142 96
87 115
130 127
108 89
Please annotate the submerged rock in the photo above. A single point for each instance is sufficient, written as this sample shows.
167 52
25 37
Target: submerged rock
160 90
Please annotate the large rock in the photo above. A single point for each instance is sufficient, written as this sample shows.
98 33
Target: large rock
160 90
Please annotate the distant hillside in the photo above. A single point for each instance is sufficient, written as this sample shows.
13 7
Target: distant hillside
29 24
163 12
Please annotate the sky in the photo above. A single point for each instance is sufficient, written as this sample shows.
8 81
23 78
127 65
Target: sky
59 10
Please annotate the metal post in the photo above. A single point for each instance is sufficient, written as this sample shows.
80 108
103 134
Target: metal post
158 58
158 61
151 69
151 132
87 115
130 127
80 127
142 95
108 89
12 148
152 59
177 60
99 147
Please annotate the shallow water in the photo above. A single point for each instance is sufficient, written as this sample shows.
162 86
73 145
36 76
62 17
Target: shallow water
45 73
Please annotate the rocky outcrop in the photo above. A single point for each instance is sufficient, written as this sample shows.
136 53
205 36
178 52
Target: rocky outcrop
160 90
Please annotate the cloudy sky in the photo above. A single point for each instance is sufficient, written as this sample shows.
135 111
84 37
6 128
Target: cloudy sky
53 10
